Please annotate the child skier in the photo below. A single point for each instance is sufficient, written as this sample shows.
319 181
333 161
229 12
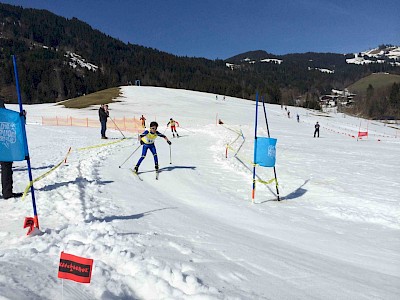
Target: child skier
143 120
147 139
172 122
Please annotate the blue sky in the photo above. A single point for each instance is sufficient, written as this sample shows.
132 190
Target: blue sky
224 28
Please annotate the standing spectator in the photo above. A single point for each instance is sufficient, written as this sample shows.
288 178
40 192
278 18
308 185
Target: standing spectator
316 131
103 115
288 114
173 123
7 174
143 119
147 139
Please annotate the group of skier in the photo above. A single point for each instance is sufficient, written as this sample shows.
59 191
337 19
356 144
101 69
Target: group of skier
148 137
171 122
316 126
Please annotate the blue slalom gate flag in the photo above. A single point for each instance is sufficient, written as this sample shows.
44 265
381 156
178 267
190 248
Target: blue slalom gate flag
13 145
265 151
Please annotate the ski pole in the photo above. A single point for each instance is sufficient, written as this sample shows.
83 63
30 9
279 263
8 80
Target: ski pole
118 128
170 157
165 129
129 156
186 129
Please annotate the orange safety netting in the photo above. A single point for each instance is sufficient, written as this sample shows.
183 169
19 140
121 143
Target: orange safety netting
124 124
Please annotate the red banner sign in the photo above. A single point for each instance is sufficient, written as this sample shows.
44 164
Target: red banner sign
29 222
75 268
362 133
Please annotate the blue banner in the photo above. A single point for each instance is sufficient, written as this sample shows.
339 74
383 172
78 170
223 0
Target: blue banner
12 136
265 151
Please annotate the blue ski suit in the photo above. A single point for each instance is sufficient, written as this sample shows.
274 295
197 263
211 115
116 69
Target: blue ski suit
147 139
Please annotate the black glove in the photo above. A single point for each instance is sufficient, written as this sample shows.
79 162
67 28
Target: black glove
169 142
141 142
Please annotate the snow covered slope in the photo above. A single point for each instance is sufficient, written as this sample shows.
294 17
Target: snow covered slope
195 233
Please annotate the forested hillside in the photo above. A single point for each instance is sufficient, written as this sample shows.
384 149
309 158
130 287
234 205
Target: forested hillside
61 58
41 41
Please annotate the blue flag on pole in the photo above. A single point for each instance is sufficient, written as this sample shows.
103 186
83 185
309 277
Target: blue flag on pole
12 131
265 151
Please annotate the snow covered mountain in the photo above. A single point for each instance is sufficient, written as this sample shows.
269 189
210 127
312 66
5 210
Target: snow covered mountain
383 54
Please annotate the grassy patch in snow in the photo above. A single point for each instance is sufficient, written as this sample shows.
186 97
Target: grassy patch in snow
97 98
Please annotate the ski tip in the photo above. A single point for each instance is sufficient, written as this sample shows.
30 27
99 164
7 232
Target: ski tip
136 174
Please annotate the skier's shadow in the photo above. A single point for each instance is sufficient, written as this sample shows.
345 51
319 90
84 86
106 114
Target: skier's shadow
181 136
76 181
170 168
130 217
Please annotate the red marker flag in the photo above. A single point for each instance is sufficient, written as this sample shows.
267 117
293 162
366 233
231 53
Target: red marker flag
362 133
75 268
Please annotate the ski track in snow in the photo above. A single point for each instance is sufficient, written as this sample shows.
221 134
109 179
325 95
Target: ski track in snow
78 186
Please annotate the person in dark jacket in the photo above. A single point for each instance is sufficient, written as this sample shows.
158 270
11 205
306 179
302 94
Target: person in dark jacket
7 174
103 115
316 131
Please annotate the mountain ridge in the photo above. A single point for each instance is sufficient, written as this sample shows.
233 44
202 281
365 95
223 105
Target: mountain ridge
381 54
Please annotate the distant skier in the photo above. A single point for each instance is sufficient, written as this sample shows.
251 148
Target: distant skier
316 131
173 123
298 118
147 139
143 119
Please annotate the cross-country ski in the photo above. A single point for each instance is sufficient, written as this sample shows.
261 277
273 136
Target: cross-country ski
136 174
